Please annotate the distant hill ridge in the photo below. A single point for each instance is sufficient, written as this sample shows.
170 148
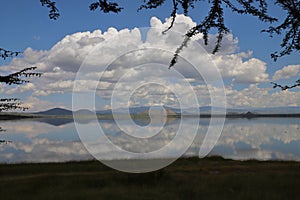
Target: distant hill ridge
55 111
174 111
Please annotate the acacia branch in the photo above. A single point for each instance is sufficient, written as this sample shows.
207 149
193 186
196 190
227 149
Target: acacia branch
215 20
173 15
16 78
106 6
290 26
11 104
53 10
151 4
8 54
286 87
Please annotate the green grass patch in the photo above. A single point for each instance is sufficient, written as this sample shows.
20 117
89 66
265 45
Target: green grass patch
187 178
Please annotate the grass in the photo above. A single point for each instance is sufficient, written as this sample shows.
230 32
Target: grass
187 178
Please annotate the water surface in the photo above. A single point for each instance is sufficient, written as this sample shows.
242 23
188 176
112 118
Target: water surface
56 140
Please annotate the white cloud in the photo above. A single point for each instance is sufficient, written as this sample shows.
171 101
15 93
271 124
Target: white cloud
260 140
254 96
61 63
287 72
36 104
20 88
249 71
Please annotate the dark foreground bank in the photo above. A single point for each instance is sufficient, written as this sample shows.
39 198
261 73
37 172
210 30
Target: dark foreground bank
187 178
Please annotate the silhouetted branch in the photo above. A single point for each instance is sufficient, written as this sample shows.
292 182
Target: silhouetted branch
213 20
290 26
7 104
16 78
54 12
106 6
286 87
5 141
11 104
150 4
187 38
8 54
173 15
186 4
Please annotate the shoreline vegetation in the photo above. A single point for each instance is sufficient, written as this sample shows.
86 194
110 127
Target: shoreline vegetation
187 178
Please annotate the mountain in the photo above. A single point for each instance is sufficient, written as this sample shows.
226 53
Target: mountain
174 111
56 112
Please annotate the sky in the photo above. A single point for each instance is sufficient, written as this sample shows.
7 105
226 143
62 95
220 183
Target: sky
60 47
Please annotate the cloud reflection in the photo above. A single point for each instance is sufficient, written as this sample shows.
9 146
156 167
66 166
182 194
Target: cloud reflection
242 139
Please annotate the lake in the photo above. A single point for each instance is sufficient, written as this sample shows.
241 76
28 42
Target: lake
56 140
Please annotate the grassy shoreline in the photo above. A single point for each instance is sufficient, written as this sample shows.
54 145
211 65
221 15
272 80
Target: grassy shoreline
187 178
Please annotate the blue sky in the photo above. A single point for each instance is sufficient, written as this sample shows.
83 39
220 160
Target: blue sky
25 24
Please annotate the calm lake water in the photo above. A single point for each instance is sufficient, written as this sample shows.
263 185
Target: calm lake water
56 140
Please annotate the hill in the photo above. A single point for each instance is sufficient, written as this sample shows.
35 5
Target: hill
156 110
56 112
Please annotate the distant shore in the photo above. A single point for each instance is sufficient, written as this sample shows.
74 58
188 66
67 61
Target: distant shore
186 178
15 116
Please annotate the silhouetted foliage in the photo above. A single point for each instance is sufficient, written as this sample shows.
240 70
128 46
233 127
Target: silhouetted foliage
215 19
16 78
8 54
289 27
150 4
53 12
286 87
106 6
11 104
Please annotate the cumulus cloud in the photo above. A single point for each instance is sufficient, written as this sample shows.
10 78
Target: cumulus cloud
20 88
254 96
249 71
37 104
287 72
119 52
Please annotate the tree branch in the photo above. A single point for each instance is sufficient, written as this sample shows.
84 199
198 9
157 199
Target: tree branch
291 27
173 15
286 87
16 78
11 104
53 12
150 4
8 54
106 7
